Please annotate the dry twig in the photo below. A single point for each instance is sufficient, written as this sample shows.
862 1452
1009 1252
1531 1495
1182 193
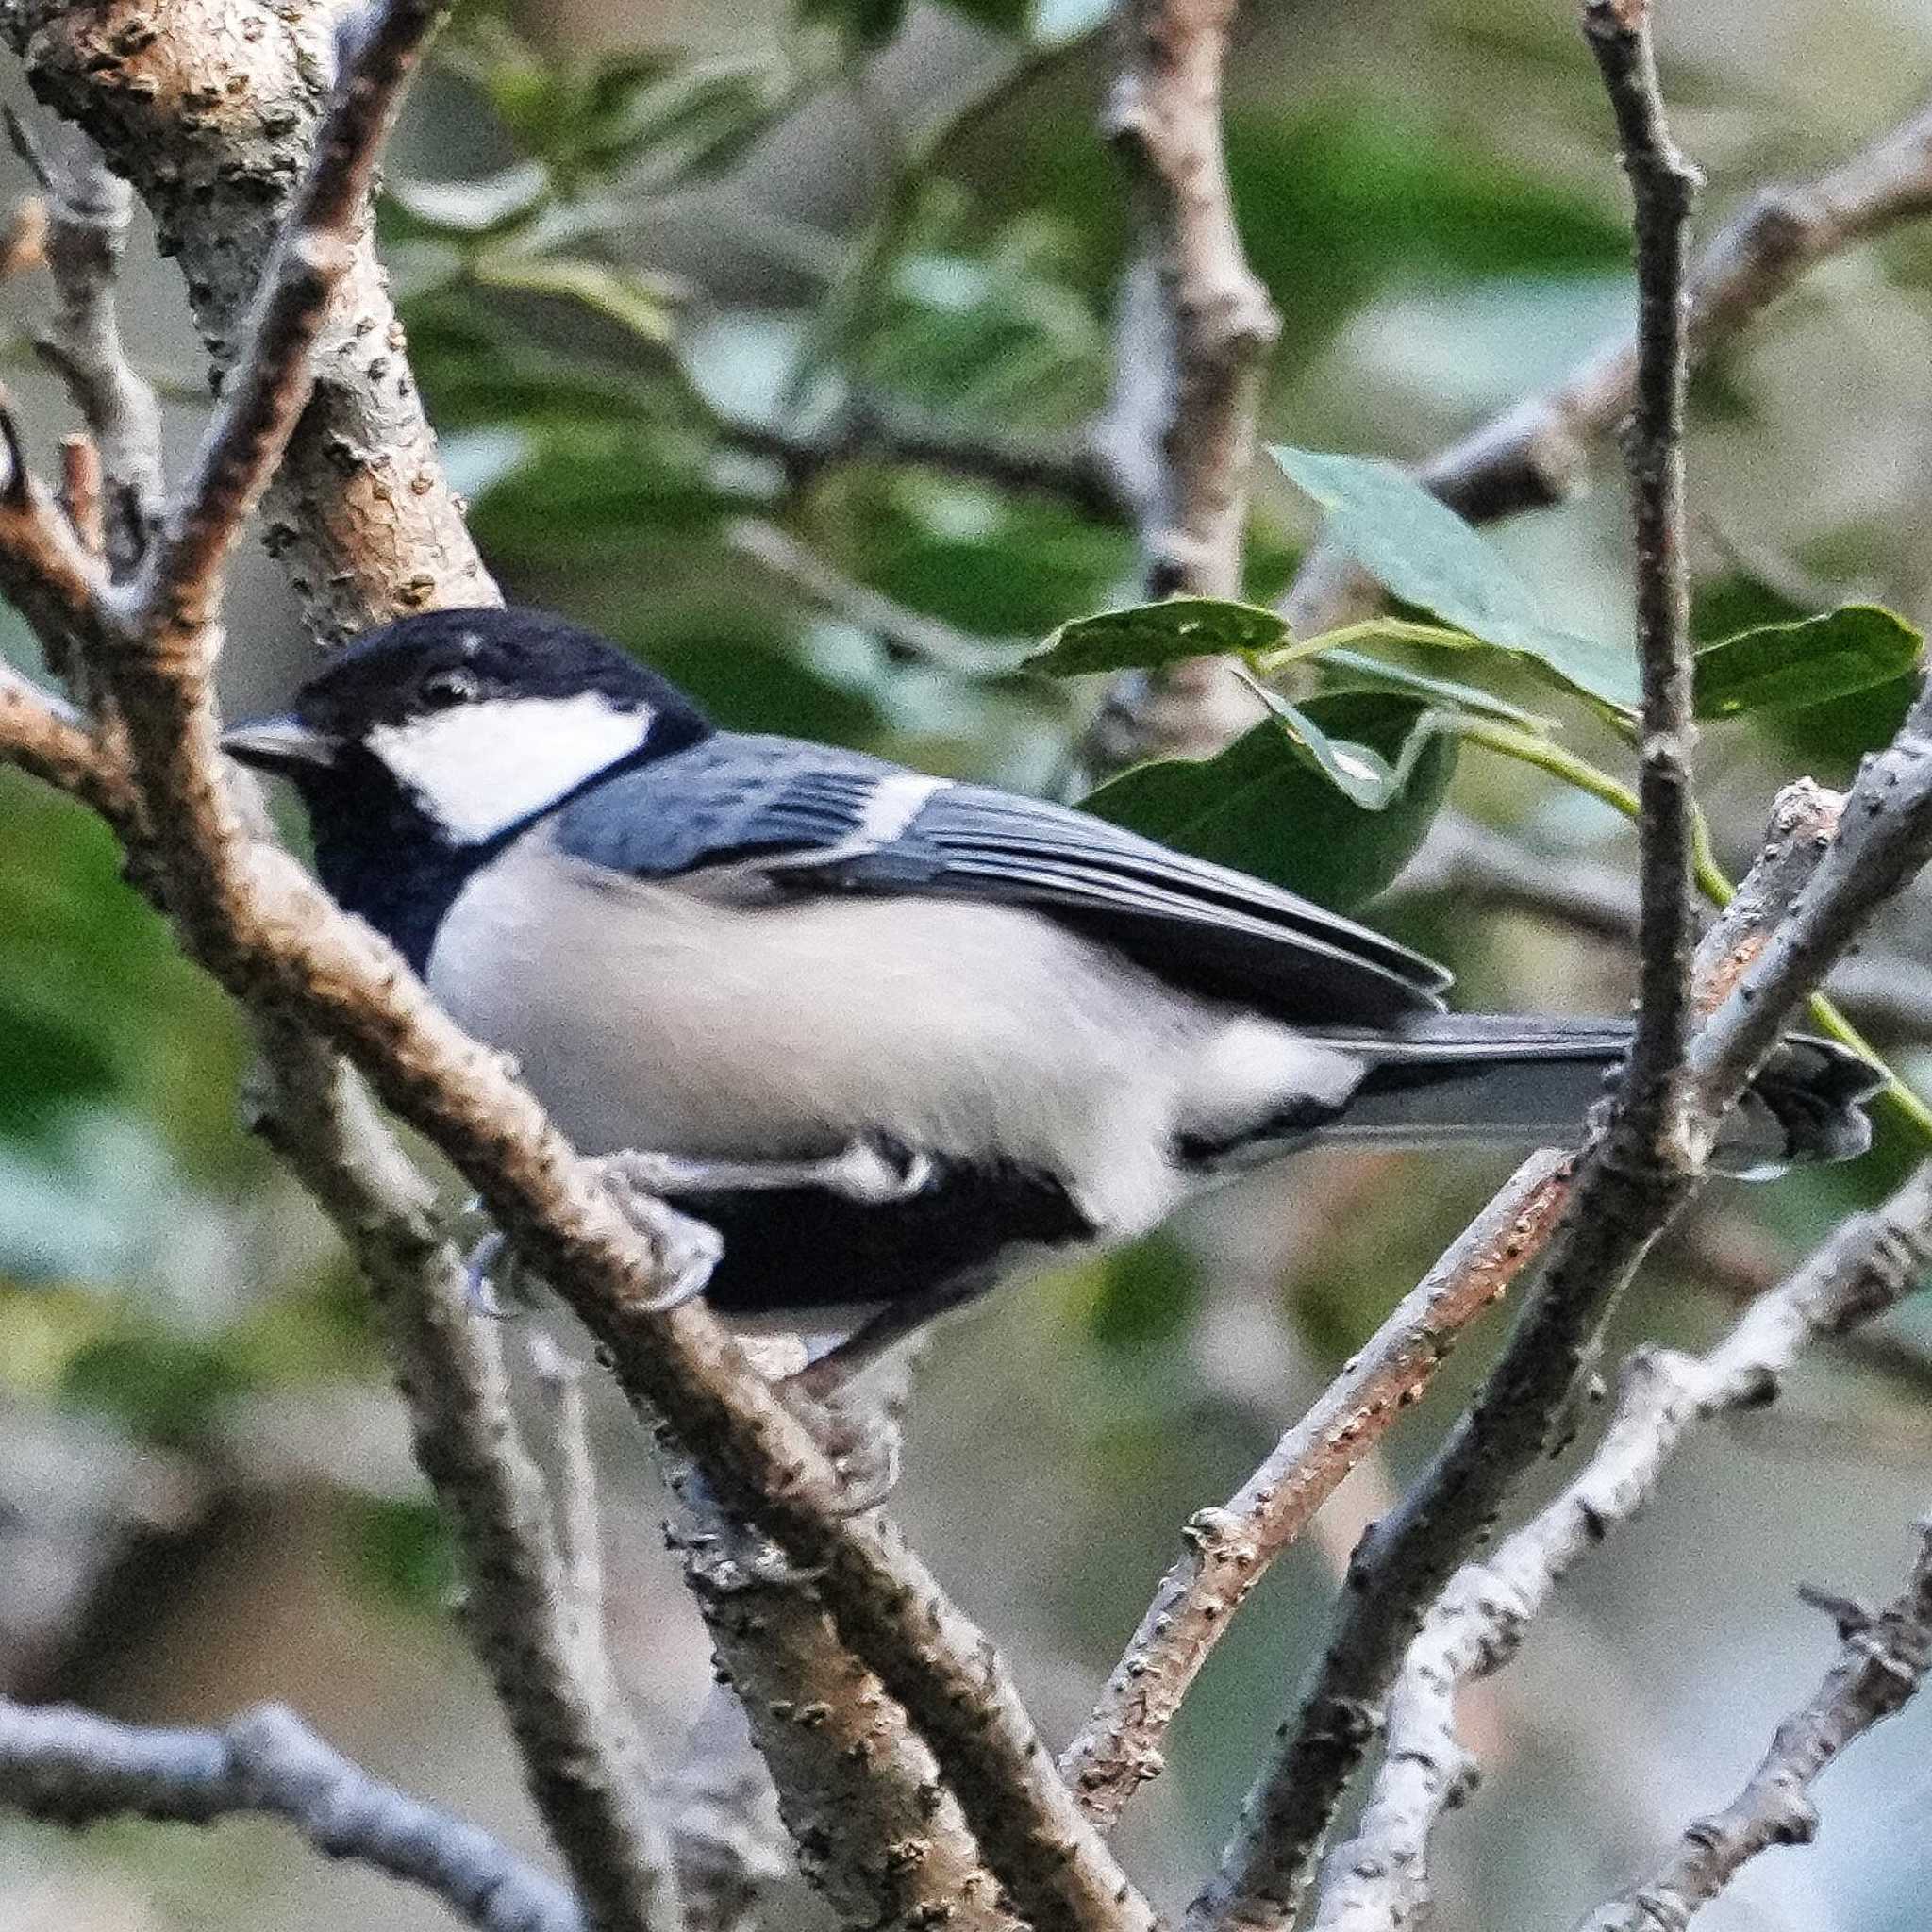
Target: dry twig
1881 1663
1378 1880
1648 1127
1229 1549
88 209
73 1768
1189 371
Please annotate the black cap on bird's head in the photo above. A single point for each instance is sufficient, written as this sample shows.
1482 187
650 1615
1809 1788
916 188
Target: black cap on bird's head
480 720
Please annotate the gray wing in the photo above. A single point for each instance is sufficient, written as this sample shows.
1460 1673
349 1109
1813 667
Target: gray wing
808 820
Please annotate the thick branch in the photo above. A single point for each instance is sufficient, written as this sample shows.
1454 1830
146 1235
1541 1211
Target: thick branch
1538 452
210 107
274 939
1229 1549
879 1835
72 1768
1378 1880
1882 1662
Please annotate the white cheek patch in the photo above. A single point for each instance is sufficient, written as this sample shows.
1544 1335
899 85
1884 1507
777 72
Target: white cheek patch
478 769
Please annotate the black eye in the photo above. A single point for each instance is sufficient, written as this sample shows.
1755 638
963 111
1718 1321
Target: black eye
440 689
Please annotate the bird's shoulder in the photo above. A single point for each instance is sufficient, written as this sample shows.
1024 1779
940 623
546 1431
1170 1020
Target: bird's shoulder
814 819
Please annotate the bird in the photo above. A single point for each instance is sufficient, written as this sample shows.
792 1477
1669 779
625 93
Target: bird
878 1037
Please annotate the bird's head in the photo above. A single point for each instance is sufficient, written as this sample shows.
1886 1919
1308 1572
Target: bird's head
478 720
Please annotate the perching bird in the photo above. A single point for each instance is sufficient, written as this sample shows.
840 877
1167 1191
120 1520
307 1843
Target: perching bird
895 1030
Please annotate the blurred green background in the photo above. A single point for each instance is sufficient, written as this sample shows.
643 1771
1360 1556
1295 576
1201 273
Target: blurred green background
655 261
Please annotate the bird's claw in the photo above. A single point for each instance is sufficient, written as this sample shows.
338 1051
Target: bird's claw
687 1250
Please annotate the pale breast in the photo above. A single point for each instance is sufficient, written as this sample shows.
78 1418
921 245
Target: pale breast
645 1016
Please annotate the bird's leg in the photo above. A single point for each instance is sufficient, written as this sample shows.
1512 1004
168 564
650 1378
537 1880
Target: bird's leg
872 1170
827 1376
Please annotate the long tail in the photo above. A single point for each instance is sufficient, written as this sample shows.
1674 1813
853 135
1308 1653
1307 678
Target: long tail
1503 1077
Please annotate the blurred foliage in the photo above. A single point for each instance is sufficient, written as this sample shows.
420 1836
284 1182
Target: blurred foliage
680 292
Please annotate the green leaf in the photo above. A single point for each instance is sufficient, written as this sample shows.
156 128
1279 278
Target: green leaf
1146 636
1344 670
1426 554
694 124
1788 667
1009 17
633 299
1265 806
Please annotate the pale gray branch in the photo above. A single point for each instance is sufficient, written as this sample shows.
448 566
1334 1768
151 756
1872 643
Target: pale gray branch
88 209
72 1768
1189 371
1378 1880
1882 1661
1229 1549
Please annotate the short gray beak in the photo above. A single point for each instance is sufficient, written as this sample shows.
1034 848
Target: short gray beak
281 743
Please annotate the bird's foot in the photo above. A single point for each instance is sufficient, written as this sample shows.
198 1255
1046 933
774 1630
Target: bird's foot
495 1283
687 1250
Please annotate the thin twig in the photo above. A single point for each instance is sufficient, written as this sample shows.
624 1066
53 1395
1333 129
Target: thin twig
1614 1216
872 426
73 1768
913 632
1378 1880
1229 1549
47 737
1189 376
1538 452
88 210
1882 1661
1649 1125
579 1746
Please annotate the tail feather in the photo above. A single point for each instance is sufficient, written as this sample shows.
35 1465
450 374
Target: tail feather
1531 1079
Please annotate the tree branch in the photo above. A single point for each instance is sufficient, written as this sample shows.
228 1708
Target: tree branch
880 1837
267 932
1649 1129
211 109
1882 1661
72 1768
1614 1216
1230 1548
88 209
1379 1879
1538 452
1188 375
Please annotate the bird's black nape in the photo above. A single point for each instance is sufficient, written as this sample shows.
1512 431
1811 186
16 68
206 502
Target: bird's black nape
392 674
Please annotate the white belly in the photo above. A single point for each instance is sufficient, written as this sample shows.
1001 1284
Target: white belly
648 1017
